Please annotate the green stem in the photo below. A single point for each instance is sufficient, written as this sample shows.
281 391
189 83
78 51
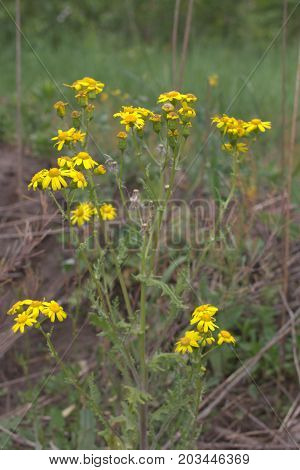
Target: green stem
142 353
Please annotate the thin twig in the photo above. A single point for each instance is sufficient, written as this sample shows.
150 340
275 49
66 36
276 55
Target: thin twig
186 38
289 165
19 160
18 439
293 334
174 42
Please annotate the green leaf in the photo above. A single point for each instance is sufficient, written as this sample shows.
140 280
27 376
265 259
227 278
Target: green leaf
153 282
87 430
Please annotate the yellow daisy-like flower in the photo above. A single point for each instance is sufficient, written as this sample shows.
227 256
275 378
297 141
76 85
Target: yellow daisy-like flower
189 97
144 111
35 307
78 179
82 213
54 311
87 85
22 320
108 212
206 308
60 108
130 119
230 125
18 307
78 136
257 125
63 137
100 170
187 112
240 147
205 322
225 337
65 162
37 179
84 159
188 342
55 178
170 96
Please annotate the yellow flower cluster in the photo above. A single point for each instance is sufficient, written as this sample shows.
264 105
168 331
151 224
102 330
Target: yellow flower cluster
69 137
84 211
236 129
67 173
28 312
204 317
133 117
177 113
86 88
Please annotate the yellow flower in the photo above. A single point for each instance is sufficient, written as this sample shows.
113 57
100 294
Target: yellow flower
205 322
78 136
82 213
100 170
87 86
35 307
186 111
22 320
78 178
240 147
144 111
257 125
203 309
230 125
84 159
55 178
130 118
188 342
170 96
213 80
18 307
53 310
63 137
207 339
108 212
65 162
189 97
60 107
37 179
225 337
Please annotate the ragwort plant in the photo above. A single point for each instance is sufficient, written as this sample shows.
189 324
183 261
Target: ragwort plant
154 389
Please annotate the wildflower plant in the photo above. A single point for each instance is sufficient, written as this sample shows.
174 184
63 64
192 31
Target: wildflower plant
138 413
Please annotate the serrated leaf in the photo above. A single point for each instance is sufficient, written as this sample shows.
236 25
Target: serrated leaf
154 282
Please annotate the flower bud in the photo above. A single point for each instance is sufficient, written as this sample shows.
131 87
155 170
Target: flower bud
76 119
60 107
